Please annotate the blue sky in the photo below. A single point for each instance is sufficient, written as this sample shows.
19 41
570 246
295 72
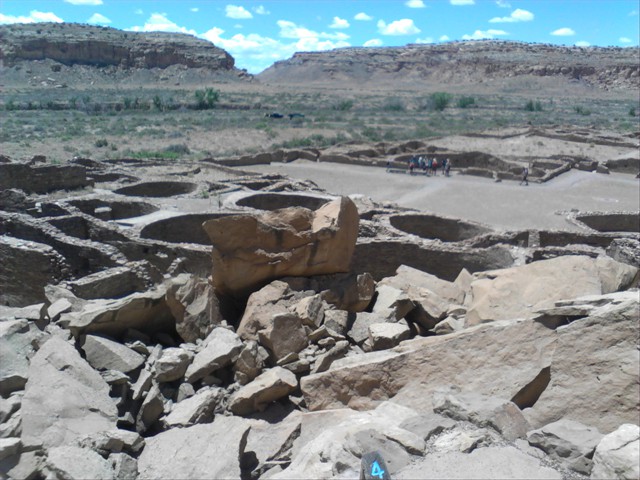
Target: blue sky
258 33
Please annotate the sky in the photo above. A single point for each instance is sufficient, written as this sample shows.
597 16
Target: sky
259 33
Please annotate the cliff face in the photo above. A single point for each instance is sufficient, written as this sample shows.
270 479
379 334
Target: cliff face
461 63
74 44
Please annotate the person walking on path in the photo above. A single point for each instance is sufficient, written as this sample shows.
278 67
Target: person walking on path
525 174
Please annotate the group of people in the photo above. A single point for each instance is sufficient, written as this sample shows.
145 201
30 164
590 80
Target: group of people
429 166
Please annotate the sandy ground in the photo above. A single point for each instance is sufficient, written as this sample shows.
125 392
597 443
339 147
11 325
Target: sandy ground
504 205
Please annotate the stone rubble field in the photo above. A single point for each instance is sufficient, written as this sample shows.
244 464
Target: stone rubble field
203 321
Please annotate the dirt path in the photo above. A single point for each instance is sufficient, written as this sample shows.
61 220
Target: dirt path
504 205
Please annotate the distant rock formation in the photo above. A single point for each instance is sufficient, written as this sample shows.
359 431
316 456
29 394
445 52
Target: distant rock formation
461 63
74 44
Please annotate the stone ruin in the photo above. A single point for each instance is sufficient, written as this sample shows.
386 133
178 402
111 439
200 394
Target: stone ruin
302 330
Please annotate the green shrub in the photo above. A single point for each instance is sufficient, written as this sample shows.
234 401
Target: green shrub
158 102
580 110
632 112
206 99
101 142
464 102
532 106
393 105
343 106
439 100
180 149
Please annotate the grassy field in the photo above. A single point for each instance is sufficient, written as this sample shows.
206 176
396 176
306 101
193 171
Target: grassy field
175 123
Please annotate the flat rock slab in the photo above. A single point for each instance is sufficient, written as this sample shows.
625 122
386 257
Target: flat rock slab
200 451
105 354
64 397
222 346
75 462
273 384
618 454
513 355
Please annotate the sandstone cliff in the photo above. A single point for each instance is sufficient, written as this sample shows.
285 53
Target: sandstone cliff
75 44
462 63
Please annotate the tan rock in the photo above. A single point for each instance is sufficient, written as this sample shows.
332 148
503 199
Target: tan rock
513 355
248 251
273 384
520 291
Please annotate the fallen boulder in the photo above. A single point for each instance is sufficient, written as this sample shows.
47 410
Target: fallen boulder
618 454
272 385
248 251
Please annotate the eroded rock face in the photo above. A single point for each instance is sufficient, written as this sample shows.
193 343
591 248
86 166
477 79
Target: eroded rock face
618 454
64 397
248 251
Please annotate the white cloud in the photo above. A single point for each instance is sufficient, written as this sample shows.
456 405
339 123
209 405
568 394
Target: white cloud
424 40
582 44
98 19
462 2
363 17
563 32
236 12
503 4
138 11
518 15
404 26
415 4
34 17
339 23
444 38
374 42
260 10
625 40
158 22
84 2
194 9
484 34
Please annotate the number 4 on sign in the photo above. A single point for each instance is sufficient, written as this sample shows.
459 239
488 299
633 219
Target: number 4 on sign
377 471
373 467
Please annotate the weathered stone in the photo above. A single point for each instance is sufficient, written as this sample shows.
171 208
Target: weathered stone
449 325
222 346
151 409
352 293
569 442
618 454
249 251
408 279
310 310
172 364
514 354
519 291
146 311
272 385
57 308
250 362
484 411
324 361
597 360
337 321
9 447
359 331
8 406
261 306
495 462
387 335
115 282
195 452
64 397
17 341
112 441
427 425
196 409
389 297
142 385
28 466
105 354
125 467
194 306
284 335
75 462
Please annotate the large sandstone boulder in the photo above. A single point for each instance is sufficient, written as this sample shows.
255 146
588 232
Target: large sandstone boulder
64 397
248 251
618 454
272 385
17 341
595 370
200 451
514 353
519 291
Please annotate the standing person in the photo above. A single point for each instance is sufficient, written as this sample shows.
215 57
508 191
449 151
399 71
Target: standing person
525 174
429 166
444 166
435 167
447 168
